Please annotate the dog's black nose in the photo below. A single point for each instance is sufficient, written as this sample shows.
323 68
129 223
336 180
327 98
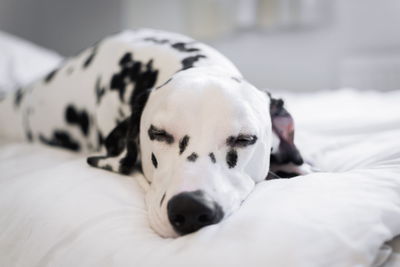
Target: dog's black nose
190 211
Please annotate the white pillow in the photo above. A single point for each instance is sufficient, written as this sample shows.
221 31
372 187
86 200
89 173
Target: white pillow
21 62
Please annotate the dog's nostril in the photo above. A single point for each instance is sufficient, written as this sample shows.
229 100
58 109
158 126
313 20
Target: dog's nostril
178 220
190 211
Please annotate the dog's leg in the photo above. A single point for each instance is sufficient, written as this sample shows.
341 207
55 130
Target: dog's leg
121 150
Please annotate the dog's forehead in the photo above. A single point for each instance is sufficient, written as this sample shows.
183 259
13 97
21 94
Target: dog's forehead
216 101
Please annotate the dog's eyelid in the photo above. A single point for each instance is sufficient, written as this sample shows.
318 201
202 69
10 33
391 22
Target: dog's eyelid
241 140
158 131
246 136
159 134
247 139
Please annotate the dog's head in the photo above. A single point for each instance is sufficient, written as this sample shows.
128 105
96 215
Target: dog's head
205 140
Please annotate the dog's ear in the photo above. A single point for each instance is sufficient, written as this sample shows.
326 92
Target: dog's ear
122 143
284 151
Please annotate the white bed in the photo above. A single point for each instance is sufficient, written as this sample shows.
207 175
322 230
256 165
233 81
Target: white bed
57 211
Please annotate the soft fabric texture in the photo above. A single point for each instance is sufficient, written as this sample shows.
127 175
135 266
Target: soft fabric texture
21 62
58 211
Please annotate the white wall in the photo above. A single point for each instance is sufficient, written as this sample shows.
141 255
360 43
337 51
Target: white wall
363 31
359 46
66 26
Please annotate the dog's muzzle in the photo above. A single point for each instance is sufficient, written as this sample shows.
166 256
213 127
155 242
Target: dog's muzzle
190 211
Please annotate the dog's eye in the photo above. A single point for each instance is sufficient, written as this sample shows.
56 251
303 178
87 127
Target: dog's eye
245 140
160 135
241 140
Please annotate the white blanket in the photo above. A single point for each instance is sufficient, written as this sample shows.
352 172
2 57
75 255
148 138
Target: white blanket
57 211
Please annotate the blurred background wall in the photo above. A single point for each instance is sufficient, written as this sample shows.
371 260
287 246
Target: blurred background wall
282 44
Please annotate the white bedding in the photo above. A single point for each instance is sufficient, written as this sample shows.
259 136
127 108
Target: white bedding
57 211
21 62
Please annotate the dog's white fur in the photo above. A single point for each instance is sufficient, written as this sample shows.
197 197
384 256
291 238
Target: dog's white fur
209 102
209 106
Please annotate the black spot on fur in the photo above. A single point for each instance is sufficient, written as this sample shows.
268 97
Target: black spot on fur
117 121
159 135
212 157
107 168
231 158
124 137
100 91
189 61
61 139
90 58
80 118
120 80
50 76
183 144
154 160
157 41
162 199
94 161
129 163
144 81
116 140
182 47
193 157
143 76
18 97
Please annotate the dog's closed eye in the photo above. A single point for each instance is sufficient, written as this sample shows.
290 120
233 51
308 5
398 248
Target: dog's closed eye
242 140
160 135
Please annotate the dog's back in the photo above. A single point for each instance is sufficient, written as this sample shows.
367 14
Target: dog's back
76 105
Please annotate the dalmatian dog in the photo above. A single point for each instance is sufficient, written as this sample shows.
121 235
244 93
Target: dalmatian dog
168 106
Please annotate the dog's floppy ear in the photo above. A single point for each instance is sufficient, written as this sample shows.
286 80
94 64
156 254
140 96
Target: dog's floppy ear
284 151
122 143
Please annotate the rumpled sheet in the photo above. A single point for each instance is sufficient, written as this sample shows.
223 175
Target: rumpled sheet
55 210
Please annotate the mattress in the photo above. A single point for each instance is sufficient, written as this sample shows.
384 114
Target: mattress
55 210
